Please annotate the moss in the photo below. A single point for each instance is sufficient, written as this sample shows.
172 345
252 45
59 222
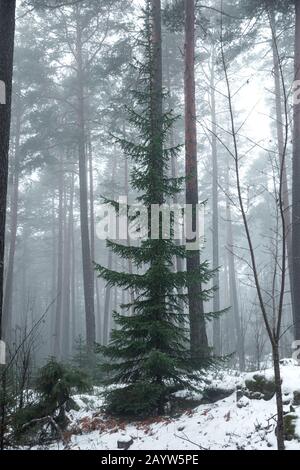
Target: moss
260 386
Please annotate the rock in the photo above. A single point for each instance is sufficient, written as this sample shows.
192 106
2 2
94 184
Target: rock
243 402
214 394
286 400
180 428
296 398
124 442
289 362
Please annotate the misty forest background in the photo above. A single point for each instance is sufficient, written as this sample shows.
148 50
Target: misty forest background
73 77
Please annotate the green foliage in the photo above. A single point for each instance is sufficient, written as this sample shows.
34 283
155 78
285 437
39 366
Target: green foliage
55 382
290 427
149 349
261 385
138 400
87 361
54 386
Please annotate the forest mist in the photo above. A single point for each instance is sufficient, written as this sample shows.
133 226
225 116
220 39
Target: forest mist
222 118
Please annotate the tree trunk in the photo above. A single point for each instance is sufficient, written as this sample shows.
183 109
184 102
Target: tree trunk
280 418
7 301
215 214
58 312
67 274
281 152
107 300
88 273
296 186
198 334
92 231
7 34
126 187
73 277
233 287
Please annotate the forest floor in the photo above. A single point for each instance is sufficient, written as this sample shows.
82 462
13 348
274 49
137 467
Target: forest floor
229 423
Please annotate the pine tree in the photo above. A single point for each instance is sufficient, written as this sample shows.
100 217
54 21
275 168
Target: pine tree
149 350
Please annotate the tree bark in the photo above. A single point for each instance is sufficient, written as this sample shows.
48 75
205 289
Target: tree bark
88 273
7 34
296 185
68 227
107 300
215 214
60 242
239 340
198 336
7 301
280 416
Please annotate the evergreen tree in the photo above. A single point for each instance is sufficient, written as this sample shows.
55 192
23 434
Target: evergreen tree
149 350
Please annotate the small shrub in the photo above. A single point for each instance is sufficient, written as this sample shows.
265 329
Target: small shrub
260 386
290 427
54 385
137 400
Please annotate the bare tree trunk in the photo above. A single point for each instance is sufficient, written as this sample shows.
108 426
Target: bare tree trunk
88 273
280 144
7 34
215 214
174 167
198 334
107 300
58 312
7 302
68 227
296 185
279 402
73 273
239 340
54 272
126 187
92 231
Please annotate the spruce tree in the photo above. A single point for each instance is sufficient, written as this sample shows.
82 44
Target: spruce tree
149 351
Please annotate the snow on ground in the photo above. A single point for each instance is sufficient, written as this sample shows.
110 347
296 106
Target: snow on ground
226 424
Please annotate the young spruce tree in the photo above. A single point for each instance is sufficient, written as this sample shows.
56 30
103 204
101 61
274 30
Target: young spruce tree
149 351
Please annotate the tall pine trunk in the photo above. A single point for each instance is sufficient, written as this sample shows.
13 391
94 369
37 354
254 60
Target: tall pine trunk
68 227
215 213
198 334
59 279
88 273
7 301
7 34
239 339
107 299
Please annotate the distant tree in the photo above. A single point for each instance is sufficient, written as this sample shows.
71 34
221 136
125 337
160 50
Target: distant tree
7 33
